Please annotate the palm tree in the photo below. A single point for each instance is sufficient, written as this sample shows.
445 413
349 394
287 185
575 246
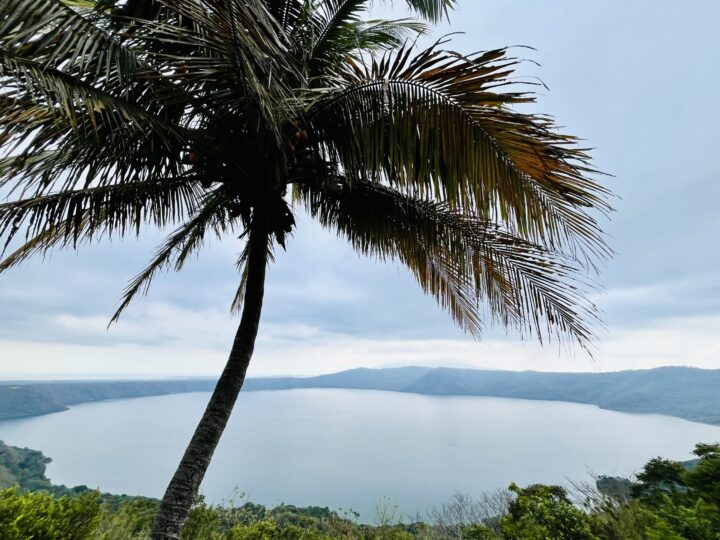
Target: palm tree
200 114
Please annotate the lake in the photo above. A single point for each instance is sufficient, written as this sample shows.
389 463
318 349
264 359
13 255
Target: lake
350 448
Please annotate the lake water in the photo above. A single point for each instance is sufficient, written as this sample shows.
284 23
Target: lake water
350 448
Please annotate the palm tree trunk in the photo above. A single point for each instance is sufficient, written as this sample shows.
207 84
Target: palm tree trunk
183 487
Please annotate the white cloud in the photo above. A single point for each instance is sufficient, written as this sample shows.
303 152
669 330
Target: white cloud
689 341
22 359
153 324
662 293
322 289
163 340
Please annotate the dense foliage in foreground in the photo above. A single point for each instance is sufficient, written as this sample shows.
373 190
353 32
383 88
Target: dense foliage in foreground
667 500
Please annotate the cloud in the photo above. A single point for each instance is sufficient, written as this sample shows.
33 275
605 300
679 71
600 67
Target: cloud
38 360
639 304
172 341
688 341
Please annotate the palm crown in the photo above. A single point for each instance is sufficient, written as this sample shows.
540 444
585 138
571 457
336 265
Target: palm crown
199 113
210 115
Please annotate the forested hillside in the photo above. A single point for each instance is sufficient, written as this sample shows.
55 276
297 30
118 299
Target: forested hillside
684 392
688 393
19 399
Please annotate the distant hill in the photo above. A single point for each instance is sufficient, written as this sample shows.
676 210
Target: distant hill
690 393
19 399
22 467
684 392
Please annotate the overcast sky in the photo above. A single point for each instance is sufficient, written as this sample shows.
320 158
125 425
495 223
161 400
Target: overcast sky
639 80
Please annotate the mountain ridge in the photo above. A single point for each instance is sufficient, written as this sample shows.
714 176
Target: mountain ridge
684 392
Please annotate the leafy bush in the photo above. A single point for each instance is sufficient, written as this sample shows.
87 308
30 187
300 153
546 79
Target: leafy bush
40 515
543 512
127 520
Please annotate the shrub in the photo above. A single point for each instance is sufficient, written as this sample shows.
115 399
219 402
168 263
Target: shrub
541 512
40 515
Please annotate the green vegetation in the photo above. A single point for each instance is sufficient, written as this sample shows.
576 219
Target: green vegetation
23 467
666 501
669 500
41 515
18 400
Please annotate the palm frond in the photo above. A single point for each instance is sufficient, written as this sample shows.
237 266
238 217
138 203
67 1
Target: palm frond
119 114
57 236
58 36
464 262
287 13
231 54
86 109
340 29
70 87
91 213
180 245
442 125
357 36
379 35
244 29
239 298
431 10
331 18
242 266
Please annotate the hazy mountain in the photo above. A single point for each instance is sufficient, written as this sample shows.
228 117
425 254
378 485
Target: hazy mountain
688 393
18 399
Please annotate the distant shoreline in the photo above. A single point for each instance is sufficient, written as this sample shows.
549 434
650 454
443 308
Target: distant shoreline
23 400
682 392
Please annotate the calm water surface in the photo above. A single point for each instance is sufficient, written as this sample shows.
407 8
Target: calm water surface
349 448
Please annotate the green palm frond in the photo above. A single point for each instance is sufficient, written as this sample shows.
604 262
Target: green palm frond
331 18
288 13
327 18
180 245
231 54
339 29
54 34
24 164
58 236
358 36
464 262
383 35
442 125
94 212
239 298
245 31
432 10
70 87
87 110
